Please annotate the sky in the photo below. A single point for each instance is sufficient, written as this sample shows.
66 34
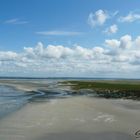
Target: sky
70 38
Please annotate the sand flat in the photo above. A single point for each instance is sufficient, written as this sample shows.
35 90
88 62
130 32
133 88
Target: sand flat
78 117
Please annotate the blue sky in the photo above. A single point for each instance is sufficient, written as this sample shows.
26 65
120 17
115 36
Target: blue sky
69 23
48 15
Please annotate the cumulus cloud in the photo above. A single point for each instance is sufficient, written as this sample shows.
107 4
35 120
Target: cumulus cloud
8 56
111 30
98 18
125 42
131 17
118 57
137 42
112 42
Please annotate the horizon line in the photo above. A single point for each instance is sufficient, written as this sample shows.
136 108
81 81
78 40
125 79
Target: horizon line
64 77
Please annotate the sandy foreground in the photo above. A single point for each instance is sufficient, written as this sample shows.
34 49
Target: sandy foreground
72 118
81 117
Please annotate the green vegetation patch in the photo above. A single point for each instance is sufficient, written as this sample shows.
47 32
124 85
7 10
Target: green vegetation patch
108 89
102 85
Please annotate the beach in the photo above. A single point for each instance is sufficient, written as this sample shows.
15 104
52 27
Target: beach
66 117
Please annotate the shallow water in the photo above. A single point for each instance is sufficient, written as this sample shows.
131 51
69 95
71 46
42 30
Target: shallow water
56 115
11 100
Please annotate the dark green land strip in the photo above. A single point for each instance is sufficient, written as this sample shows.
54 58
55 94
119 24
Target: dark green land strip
108 89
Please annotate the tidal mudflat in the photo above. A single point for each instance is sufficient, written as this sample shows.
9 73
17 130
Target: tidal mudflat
48 110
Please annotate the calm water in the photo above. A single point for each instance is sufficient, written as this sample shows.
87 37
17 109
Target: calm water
11 100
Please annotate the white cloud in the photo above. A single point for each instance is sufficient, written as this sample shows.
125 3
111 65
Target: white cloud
6 56
64 33
15 21
98 18
137 42
112 43
111 30
119 57
131 17
58 52
125 41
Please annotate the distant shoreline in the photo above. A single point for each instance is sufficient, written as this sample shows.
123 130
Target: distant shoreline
75 78
108 89
127 89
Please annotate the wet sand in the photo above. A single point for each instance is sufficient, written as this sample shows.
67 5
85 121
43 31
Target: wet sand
76 118
71 118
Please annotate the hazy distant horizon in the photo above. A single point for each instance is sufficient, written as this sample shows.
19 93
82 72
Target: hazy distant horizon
86 78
